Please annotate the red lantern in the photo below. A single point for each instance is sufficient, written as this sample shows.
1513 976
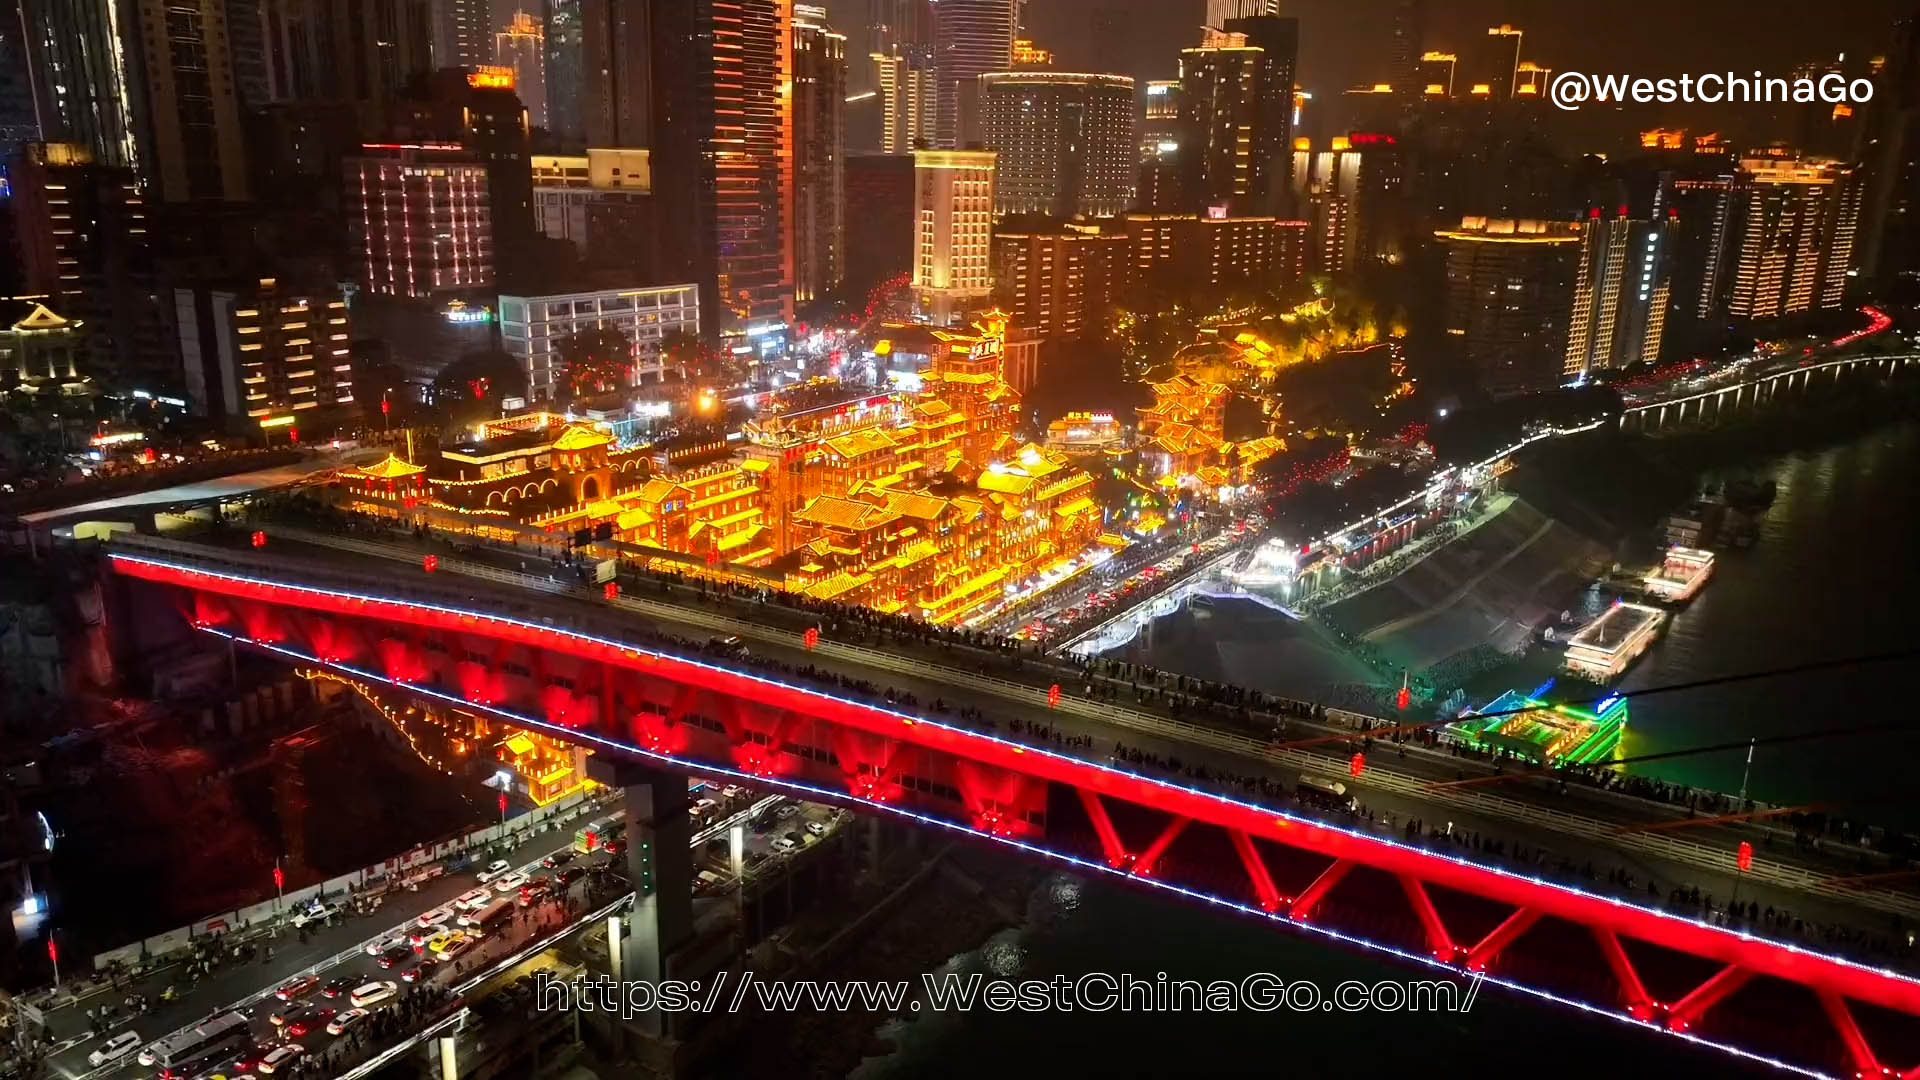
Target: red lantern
431 563
812 637
279 878
1404 699
293 435
1358 765
259 539
53 951
1053 696
1745 858
613 590
503 804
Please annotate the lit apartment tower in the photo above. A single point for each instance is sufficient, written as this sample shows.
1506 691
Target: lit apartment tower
970 38
1219 11
1060 284
1621 287
1409 33
462 33
1530 81
264 355
1028 55
522 49
1436 74
1791 224
1496 63
602 203
618 63
417 220
1156 187
564 28
1227 118
1326 191
953 223
1278 39
479 109
1065 142
722 142
891 28
189 116
80 79
819 134
1508 286
905 85
1701 249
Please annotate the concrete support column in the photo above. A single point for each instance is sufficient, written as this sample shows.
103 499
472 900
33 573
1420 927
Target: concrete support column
737 848
660 865
449 1057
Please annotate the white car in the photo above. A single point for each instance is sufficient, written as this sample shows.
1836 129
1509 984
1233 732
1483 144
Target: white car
494 869
319 911
345 1020
114 1049
786 810
704 807
817 828
784 846
732 791
419 938
443 913
510 884
392 941
280 1057
373 993
478 898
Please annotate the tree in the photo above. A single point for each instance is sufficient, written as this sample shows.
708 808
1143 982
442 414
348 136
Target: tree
474 385
595 361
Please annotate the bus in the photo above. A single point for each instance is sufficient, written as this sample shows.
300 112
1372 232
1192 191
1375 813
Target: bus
595 835
206 1037
492 917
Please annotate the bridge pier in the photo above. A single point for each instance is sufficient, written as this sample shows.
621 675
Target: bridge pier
660 865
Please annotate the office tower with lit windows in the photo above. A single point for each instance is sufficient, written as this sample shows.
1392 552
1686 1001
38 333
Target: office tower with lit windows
1219 11
81 81
1508 291
618 56
890 28
1060 283
1621 290
905 86
462 33
1436 74
722 143
1216 249
265 355
1157 187
970 38
1232 107
531 328
564 27
189 116
1351 194
522 49
1278 40
480 110
952 232
1494 63
418 222
1065 142
1791 224
819 136
1409 34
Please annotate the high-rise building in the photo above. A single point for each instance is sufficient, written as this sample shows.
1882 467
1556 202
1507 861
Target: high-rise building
1060 283
953 223
462 33
479 109
522 49
890 28
819 139
1700 252
1219 11
1889 242
880 232
264 355
1409 35
1217 249
531 328
970 38
908 100
1508 293
418 220
618 50
602 203
1495 63
1621 289
371 50
567 100
1065 142
1791 227
1278 40
1351 195
1156 187
189 116
1435 75
83 87
1233 105
722 142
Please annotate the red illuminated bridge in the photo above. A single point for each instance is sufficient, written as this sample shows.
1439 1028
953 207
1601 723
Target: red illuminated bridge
1786 1006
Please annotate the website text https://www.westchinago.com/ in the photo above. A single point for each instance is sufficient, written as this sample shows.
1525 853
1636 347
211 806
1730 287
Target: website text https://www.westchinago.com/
953 992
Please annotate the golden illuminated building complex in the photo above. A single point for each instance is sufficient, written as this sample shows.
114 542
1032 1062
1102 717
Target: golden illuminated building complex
1183 440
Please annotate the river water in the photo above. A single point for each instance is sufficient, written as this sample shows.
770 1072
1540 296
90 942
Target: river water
1831 576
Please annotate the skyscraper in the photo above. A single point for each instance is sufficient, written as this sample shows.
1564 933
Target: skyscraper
1435 75
1278 40
189 117
462 33
1791 225
1065 142
392 187
1496 62
1409 31
1620 292
952 229
1219 11
618 51
566 70
1326 187
82 86
908 100
970 38
1222 113
819 128
1157 183
522 49
1508 288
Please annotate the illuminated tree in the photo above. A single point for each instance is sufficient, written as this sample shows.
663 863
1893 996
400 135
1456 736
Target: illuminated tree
697 360
595 361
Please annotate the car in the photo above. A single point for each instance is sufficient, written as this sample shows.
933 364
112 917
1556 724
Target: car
817 828
439 941
457 948
308 1021
317 912
615 848
397 955
249 1059
570 875
280 1057
474 900
731 645
784 846
535 891
510 884
386 944
495 869
298 988
704 807
419 938
339 1024
115 1048
336 987
373 993
786 810
732 791
443 913
413 974
557 860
